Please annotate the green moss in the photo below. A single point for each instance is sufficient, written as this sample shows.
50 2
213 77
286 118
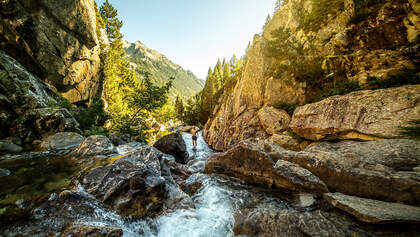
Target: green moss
288 107
412 131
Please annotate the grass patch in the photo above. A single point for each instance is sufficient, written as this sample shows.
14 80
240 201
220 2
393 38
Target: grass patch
412 131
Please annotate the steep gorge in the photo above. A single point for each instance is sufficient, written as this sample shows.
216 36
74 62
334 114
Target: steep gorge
348 44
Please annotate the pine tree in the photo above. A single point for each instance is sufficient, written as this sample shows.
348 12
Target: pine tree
267 20
112 24
179 108
218 76
278 5
226 74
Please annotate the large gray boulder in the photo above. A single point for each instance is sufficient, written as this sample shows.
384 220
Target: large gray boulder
62 140
364 115
173 144
380 170
251 160
96 145
374 211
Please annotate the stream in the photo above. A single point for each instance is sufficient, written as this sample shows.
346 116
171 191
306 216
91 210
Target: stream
215 202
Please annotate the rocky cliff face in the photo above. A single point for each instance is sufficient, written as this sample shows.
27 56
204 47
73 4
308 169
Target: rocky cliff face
56 41
359 46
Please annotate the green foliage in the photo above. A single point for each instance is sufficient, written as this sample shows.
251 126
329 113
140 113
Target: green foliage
179 108
100 24
288 107
267 20
112 24
61 102
92 117
320 12
193 110
165 113
96 131
400 78
341 87
130 99
412 131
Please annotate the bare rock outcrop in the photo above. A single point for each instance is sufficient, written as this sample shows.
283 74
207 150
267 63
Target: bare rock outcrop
251 161
273 120
364 115
374 211
382 170
56 41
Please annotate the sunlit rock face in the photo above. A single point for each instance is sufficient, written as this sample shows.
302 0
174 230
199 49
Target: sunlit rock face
364 115
377 46
56 41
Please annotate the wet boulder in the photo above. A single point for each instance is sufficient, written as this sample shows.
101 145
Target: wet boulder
9 147
96 145
251 160
118 139
173 144
179 172
132 186
62 140
80 230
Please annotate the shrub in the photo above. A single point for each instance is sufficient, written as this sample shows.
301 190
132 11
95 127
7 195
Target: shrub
288 107
412 131
400 78
319 14
341 87
96 131
363 9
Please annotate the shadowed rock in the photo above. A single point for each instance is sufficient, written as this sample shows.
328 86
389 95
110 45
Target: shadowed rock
374 211
173 144
132 186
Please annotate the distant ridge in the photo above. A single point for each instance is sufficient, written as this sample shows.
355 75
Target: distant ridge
161 69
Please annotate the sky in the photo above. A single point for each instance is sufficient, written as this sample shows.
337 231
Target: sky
193 33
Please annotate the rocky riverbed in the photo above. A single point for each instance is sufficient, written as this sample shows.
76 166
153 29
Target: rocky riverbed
136 190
